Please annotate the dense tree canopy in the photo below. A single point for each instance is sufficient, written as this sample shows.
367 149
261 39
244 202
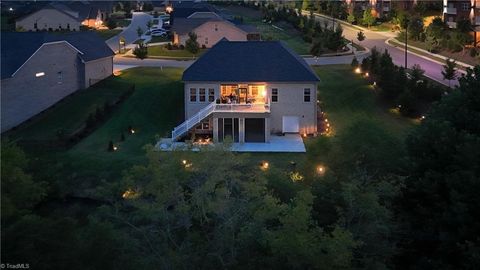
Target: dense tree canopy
440 200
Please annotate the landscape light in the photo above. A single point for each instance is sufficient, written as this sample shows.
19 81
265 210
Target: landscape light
184 162
115 148
326 120
423 117
169 9
358 70
374 83
304 135
264 165
320 170
366 74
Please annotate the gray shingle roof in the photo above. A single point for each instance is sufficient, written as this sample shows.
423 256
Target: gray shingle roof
250 61
17 47
185 26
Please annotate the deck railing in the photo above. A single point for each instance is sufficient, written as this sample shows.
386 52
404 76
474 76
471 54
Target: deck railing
194 120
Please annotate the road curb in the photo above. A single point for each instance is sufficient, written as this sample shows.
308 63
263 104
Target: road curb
422 56
402 45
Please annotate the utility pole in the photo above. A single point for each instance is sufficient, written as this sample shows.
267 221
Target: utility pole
406 43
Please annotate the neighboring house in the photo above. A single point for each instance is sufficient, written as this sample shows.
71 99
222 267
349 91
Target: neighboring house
379 8
210 30
66 16
248 90
49 18
456 10
39 68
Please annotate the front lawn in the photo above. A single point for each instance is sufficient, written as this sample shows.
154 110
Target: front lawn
159 39
161 50
108 33
277 31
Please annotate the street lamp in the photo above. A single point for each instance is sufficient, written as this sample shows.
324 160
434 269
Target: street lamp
406 41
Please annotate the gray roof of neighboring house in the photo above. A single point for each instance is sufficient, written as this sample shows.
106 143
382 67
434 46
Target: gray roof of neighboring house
17 47
58 7
247 28
250 61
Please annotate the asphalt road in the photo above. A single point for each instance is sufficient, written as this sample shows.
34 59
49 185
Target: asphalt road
139 19
373 39
376 39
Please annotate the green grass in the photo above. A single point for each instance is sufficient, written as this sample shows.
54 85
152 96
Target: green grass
383 27
156 107
347 98
123 23
291 36
108 33
7 24
70 114
160 50
159 39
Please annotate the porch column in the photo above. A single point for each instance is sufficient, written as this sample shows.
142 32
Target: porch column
267 129
215 129
241 130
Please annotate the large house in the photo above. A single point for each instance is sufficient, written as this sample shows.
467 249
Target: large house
61 16
208 23
247 90
456 10
41 68
210 30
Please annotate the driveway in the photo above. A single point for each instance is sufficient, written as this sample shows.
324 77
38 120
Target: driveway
377 39
139 19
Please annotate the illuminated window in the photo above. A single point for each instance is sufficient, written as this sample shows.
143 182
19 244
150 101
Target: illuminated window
254 90
40 74
201 93
274 95
211 94
306 95
193 94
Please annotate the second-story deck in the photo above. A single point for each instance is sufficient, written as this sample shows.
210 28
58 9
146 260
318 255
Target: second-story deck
243 108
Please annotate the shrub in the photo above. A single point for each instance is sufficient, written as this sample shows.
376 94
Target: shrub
473 52
354 62
90 122
110 146
181 47
99 114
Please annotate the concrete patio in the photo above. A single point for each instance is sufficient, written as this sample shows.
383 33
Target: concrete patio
290 143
